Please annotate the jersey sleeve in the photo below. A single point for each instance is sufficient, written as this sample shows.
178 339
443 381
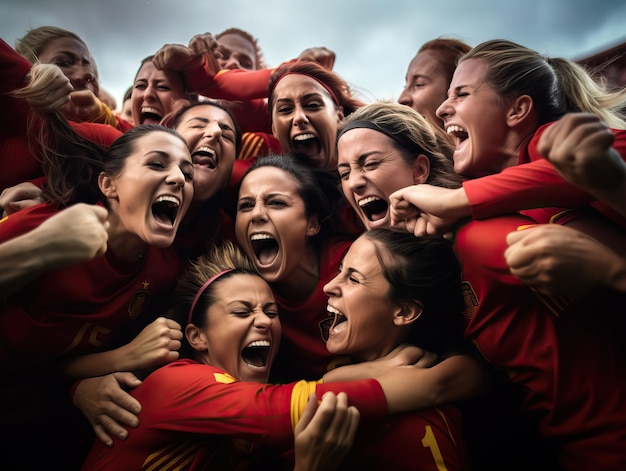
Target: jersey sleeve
24 221
533 183
236 84
202 399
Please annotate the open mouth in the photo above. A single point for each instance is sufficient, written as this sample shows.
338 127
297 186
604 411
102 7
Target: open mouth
256 354
150 115
374 208
165 209
337 319
307 144
205 156
457 133
265 248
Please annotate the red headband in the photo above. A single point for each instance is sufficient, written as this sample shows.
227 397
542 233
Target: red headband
326 87
202 289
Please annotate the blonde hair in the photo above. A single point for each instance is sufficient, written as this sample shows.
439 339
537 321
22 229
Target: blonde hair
219 258
556 86
407 125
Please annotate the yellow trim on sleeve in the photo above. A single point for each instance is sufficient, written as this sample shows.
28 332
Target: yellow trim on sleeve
299 398
224 378
557 216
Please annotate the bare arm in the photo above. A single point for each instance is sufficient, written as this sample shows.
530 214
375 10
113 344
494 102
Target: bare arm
410 387
51 245
457 378
156 345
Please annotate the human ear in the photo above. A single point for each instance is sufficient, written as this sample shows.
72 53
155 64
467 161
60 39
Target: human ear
313 225
107 186
519 110
421 169
196 338
407 313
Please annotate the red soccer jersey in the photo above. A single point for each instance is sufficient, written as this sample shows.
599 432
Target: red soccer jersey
196 416
78 309
563 353
17 161
248 88
533 183
303 352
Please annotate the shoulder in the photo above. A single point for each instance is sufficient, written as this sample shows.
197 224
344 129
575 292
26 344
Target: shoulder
25 220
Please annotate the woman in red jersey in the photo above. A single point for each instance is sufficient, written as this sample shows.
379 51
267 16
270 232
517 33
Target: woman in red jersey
232 338
564 353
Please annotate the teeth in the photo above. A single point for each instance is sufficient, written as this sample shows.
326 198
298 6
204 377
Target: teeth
169 198
454 128
304 137
261 237
332 310
259 343
367 200
149 109
207 150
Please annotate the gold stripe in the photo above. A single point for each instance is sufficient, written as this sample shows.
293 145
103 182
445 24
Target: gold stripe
175 457
299 398
250 146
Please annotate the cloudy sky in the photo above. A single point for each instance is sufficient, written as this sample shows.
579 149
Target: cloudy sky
374 40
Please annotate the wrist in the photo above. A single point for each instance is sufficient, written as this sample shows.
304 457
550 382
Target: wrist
459 203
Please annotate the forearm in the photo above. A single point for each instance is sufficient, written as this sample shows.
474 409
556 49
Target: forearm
457 378
96 364
22 260
355 372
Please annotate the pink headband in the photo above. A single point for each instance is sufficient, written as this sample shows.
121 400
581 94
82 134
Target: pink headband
202 290
326 87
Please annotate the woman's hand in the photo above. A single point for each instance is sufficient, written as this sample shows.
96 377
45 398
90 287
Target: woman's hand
325 433
105 402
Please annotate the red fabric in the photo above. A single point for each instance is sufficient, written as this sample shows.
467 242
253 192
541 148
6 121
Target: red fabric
565 354
303 352
247 89
18 163
533 183
79 309
188 410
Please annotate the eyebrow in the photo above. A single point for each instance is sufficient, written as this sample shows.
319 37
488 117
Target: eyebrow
248 304
306 97
414 76
207 121
362 157
168 156
354 270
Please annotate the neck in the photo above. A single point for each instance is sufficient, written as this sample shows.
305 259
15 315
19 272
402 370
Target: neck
124 245
302 281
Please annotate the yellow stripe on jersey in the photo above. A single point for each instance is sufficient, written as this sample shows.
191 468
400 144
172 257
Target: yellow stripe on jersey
250 145
172 457
224 378
556 304
445 421
299 398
